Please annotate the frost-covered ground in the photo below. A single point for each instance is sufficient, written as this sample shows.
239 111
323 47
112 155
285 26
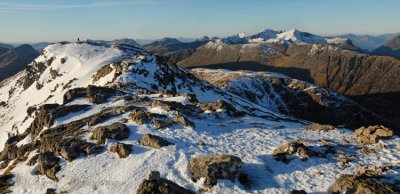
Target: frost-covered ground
249 137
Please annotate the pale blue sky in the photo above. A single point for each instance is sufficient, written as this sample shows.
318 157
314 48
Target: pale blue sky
55 20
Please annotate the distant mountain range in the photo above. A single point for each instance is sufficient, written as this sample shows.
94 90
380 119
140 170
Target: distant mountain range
369 42
326 61
390 48
13 60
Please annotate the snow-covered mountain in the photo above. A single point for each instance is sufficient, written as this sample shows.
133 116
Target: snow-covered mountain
284 37
98 117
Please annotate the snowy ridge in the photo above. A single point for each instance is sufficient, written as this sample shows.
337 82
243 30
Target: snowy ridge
83 61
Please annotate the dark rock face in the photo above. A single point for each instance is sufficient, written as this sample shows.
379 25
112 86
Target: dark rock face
154 141
295 147
114 131
372 134
362 184
298 192
46 114
214 167
4 182
123 150
94 94
48 165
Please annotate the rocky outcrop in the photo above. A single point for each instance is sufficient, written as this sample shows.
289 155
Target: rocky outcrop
220 106
373 134
117 131
140 117
123 150
319 128
154 141
155 184
46 114
48 164
214 167
161 123
93 94
182 119
67 147
362 184
34 70
294 147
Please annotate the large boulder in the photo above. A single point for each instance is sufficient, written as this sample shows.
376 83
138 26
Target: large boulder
291 148
372 134
117 131
214 167
48 164
158 185
362 184
154 141
123 150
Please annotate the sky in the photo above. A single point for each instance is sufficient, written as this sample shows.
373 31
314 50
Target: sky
56 20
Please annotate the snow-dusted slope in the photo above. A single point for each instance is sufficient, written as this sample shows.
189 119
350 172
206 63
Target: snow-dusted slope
134 85
66 66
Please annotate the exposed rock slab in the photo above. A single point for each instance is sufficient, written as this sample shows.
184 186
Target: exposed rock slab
117 131
123 150
154 141
214 167
373 134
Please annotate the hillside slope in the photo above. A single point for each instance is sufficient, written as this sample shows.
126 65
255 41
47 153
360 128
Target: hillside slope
97 117
370 80
14 60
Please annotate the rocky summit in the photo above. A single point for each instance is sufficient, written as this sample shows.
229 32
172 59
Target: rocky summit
109 117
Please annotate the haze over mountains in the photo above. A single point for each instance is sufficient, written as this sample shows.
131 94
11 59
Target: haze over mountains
390 48
369 42
272 112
